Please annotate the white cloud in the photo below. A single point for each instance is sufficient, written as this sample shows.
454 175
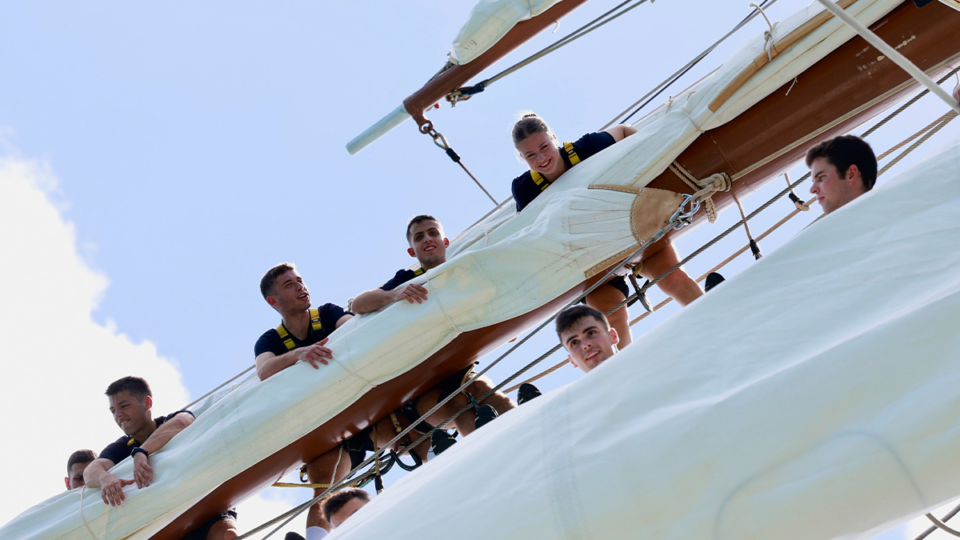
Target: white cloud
58 360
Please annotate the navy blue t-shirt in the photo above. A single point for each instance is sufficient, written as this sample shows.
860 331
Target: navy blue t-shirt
120 449
270 340
526 190
401 277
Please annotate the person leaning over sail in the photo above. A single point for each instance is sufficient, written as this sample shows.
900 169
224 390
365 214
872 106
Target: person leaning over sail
301 337
548 161
76 464
587 336
131 402
428 245
842 168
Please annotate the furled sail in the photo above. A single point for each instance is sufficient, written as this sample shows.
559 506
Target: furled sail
814 395
489 21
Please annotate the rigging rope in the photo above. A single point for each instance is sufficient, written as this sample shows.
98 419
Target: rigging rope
933 528
464 93
652 94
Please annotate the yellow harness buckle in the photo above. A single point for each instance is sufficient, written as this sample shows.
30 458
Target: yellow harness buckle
314 325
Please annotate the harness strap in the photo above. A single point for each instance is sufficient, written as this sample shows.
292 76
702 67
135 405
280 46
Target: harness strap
396 423
418 271
538 178
314 325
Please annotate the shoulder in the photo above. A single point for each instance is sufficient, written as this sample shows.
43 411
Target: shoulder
524 190
268 342
591 143
332 312
401 277
117 451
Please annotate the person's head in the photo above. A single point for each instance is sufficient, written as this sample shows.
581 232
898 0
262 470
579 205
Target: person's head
343 504
75 466
842 169
427 242
284 289
587 336
538 146
130 403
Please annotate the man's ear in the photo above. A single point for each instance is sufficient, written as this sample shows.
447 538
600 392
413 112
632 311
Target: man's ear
411 252
272 300
66 480
148 402
614 335
446 242
853 173
572 361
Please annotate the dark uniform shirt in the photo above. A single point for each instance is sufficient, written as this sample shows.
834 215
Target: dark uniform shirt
401 277
120 449
525 189
270 340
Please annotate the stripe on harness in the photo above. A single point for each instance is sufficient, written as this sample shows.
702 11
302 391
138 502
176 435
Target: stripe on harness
538 178
314 324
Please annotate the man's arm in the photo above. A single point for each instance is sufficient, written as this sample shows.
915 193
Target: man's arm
373 300
142 471
269 364
621 131
97 475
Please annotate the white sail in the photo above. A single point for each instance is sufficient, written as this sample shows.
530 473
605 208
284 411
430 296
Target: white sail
815 395
489 21
505 267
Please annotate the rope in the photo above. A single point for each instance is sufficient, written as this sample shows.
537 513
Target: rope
573 36
210 393
930 531
652 94
83 490
943 121
286 517
441 142
942 525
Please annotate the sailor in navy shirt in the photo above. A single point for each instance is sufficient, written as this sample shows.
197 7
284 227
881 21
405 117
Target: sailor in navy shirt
530 184
428 245
121 449
548 161
303 332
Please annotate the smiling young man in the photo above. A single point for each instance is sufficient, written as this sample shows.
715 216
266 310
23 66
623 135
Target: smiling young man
842 169
76 464
131 402
587 336
428 245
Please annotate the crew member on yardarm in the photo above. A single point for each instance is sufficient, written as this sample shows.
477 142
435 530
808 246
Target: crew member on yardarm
301 337
587 336
548 161
343 504
842 169
131 404
76 464
428 244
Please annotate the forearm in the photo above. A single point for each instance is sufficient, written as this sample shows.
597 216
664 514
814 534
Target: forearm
93 475
269 367
165 432
372 301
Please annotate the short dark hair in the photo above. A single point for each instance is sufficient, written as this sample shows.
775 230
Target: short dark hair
135 386
844 151
421 218
572 315
80 456
527 125
332 504
268 284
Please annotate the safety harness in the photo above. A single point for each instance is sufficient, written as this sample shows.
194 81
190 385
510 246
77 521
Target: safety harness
314 324
571 154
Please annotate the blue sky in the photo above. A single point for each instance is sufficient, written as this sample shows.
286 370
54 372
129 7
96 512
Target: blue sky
196 145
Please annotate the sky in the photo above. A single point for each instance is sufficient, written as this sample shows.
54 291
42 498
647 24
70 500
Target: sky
155 160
